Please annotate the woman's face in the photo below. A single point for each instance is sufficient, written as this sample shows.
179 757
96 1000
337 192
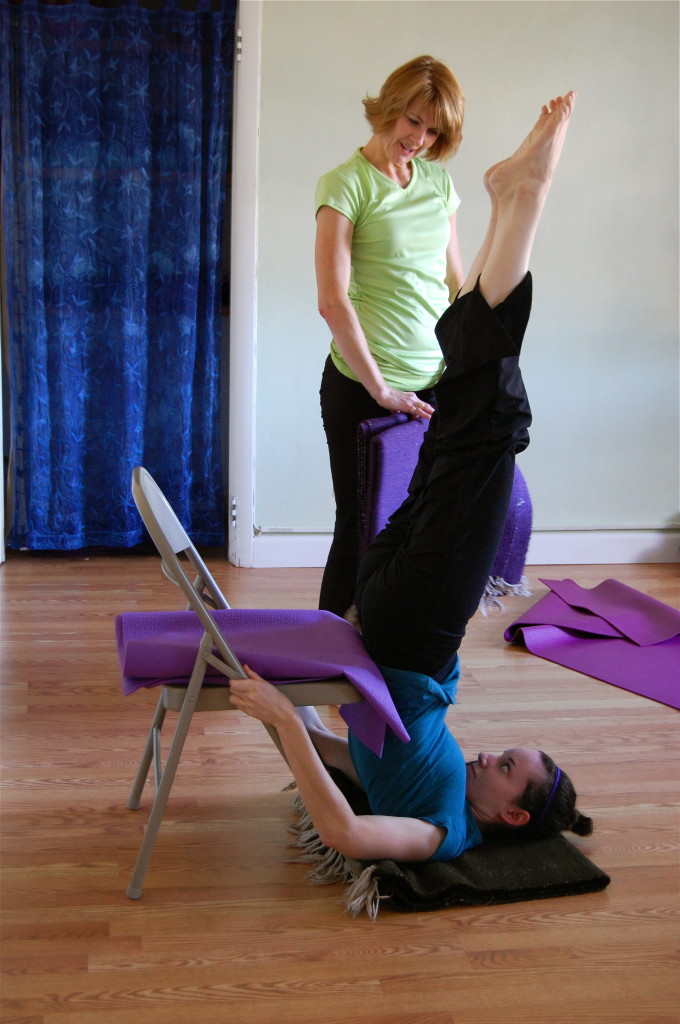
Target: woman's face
496 782
410 135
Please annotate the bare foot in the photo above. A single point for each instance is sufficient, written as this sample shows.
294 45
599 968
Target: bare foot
487 180
533 164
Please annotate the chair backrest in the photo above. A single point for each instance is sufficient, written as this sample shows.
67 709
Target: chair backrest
177 551
162 516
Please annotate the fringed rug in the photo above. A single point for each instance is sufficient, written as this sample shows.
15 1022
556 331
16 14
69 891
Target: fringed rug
493 873
496 588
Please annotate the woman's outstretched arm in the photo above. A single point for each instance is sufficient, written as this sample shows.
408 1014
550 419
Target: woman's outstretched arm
361 836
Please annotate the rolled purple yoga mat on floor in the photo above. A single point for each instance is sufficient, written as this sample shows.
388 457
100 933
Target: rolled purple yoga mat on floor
612 632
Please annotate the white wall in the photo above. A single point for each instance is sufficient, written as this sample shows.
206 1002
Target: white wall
601 356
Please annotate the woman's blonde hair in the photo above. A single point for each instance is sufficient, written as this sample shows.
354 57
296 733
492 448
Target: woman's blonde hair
422 81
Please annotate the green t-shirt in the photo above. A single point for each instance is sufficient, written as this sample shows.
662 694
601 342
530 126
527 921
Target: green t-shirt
397 282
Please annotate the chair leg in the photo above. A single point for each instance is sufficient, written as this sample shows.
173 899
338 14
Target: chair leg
151 752
134 890
276 740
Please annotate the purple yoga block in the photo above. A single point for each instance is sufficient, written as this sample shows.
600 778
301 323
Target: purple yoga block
388 452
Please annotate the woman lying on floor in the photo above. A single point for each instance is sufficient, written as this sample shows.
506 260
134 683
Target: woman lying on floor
422 579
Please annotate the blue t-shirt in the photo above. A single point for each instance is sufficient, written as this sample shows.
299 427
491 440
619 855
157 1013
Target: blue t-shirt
426 777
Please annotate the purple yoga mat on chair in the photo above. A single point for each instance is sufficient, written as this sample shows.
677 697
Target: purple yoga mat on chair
156 648
612 632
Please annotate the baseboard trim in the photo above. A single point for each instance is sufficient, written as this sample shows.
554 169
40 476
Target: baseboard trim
549 547
290 550
603 547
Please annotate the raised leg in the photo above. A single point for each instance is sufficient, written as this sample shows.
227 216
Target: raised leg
422 579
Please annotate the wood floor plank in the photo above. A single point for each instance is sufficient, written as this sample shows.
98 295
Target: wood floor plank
228 928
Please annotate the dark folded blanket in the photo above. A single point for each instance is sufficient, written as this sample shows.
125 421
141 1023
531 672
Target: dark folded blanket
495 872
489 874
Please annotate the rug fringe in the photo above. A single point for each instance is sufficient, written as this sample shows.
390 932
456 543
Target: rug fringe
363 894
329 866
497 587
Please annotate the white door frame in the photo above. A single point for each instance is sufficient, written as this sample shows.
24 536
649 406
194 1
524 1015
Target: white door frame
243 271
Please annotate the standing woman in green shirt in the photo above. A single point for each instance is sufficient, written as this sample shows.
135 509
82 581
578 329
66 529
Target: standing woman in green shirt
388 264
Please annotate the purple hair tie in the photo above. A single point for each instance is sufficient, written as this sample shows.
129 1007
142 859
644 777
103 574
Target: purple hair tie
550 799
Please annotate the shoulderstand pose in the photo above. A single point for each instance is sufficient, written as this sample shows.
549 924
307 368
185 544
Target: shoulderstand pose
422 579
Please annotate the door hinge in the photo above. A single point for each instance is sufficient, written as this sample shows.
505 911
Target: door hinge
239 45
233 512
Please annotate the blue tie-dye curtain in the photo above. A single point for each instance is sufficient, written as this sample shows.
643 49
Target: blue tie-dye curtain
115 134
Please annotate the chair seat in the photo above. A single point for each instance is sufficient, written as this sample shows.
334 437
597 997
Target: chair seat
215 696
286 647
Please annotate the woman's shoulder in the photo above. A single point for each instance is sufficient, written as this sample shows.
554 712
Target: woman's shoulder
348 169
348 187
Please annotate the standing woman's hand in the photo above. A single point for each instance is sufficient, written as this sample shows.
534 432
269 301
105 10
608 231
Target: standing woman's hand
403 401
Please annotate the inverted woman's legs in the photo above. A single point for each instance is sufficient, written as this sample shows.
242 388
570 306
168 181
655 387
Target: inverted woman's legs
422 580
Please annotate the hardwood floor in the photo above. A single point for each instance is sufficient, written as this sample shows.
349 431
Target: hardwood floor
228 929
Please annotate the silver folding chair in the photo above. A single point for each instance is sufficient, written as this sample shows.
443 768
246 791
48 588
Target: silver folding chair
183 566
